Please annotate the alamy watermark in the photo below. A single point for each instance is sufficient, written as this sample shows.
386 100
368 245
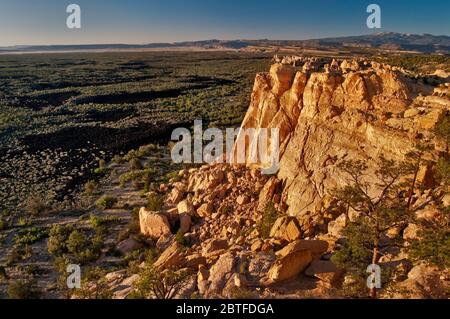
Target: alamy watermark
74 19
74 278
374 279
239 146
374 20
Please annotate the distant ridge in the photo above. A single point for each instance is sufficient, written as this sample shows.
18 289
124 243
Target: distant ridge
391 41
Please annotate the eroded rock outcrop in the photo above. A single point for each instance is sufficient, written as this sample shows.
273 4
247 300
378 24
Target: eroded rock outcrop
326 111
329 110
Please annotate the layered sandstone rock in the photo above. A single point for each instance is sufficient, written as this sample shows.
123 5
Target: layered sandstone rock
327 111
330 110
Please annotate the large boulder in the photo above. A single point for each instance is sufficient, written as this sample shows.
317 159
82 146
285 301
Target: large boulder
326 271
128 246
221 275
290 266
215 245
423 282
153 224
316 247
185 207
171 257
286 228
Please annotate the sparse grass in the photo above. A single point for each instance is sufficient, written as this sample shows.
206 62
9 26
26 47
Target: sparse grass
36 206
23 289
30 236
106 202
90 187
269 217
155 202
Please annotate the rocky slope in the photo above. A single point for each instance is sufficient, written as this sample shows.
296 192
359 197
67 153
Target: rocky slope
327 111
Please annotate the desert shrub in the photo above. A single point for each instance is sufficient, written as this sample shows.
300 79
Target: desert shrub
76 242
117 159
90 187
172 177
155 203
100 171
58 235
97 221
36 206
434 246
443 171
23 289
102 164
144 175
146 150
158 284
3 274
30 236
64 241
243 294
100 288
106 202
131 154
442 128
135 164
269 217
179 237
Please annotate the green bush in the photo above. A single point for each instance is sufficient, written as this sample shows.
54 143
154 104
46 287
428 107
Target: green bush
269 218
30 236
106 202
36 206
155 203
135 164
90 187
433 246
117 159
57 241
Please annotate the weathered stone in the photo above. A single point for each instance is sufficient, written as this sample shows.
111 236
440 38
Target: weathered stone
214 245
411 232
194 261
185 206
205 210
242 200
221 272
176 195
185 223
256 246
172 256
336 227
128 245
153 224
317 247
326 271
290 265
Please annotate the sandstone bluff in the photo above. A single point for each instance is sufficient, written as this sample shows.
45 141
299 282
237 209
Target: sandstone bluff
327 110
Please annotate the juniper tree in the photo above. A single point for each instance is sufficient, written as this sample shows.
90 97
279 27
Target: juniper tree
442 129
160 284
433 244
381 204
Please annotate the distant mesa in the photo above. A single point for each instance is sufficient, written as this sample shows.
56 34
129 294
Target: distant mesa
390 41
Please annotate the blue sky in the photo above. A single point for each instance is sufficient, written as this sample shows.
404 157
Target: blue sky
144 21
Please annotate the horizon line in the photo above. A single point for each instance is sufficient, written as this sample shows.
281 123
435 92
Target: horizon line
223 39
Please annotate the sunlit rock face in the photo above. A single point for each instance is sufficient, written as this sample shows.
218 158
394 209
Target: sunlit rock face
331 110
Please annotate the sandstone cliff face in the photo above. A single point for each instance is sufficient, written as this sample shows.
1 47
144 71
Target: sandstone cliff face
329 110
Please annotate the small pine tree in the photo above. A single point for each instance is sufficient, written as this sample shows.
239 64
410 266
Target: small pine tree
158 284
378 214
